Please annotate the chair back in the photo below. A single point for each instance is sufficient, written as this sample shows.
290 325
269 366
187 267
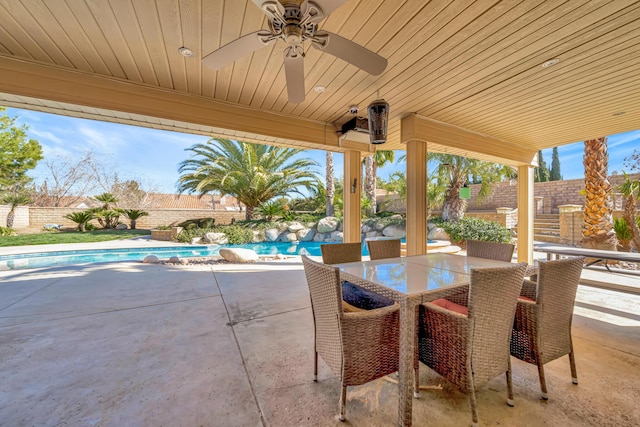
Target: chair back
385 248
337 253
326 305
490 250
493 295
556 295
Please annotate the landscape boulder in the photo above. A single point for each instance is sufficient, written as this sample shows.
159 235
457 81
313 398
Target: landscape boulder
328 224
288 237
319 237
150 259
216 238
306 234
336 236
239 255
121 227
437 233
295 227
394 230
272 234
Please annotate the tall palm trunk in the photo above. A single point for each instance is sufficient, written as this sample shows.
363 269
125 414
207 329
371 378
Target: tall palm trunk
370 185
453 207
597 230
630 206
330 189
11 216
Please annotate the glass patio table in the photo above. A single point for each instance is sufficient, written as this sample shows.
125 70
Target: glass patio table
410 281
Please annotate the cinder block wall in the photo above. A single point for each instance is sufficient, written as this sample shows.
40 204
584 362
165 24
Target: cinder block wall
37 217
554 194
20 219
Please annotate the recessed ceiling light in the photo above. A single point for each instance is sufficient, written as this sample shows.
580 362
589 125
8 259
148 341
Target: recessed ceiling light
618 113
319 89
185 51
550 63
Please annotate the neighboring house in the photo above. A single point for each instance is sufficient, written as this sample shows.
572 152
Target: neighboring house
190 201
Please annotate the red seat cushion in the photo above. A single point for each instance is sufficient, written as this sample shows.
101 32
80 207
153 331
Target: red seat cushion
523 298
451 306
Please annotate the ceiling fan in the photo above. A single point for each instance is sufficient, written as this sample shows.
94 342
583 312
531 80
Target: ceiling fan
294 24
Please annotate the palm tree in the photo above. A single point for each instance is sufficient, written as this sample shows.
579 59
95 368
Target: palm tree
455 171
252 173
371 164
133 215
630 189
13 200
330 188
106 215
597 230
81 218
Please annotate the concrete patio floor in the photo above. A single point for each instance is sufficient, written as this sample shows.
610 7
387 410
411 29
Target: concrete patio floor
131 344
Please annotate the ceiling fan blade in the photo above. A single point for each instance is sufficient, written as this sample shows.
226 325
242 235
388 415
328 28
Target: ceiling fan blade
270 7
326 6
235 50
349 51
294 73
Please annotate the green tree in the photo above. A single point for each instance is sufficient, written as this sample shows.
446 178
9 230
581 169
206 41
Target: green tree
81 218
372 163
133 215
455 171
541 173
17 154
630 189
14 200
252 173
107 215
555 174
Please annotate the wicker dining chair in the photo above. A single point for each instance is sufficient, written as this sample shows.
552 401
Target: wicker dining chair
358 347
490 250
466 338
386 248
337 253
354 297
542 326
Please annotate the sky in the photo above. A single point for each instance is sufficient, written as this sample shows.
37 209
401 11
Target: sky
152 156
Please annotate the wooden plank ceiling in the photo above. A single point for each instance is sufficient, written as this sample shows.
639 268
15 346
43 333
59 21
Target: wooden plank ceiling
471 64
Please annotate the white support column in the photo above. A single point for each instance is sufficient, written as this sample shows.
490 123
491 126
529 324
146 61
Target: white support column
416 197
352 186
525 213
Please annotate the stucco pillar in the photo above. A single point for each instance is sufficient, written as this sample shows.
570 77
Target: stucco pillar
525 213
416 197
352 186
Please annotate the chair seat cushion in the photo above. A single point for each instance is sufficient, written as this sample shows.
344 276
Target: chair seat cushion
451 306
523 298
362 298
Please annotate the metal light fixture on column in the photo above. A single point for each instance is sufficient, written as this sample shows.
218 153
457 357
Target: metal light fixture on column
378 113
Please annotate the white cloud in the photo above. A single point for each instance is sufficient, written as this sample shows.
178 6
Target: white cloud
49 136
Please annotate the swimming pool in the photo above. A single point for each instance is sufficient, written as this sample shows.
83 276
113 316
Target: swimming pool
48 259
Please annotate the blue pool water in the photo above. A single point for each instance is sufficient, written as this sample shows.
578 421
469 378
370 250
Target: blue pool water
48 259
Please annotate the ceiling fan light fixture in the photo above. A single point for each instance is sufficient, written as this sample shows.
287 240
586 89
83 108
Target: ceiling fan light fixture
550 63
186 52
378 114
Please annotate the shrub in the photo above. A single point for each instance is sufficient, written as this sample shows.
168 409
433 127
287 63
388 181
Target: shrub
81 218
198 223
469 228
269 210
236 234
7 231
623 232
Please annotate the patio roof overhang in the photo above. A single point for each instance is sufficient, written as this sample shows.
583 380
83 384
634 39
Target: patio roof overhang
461 78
